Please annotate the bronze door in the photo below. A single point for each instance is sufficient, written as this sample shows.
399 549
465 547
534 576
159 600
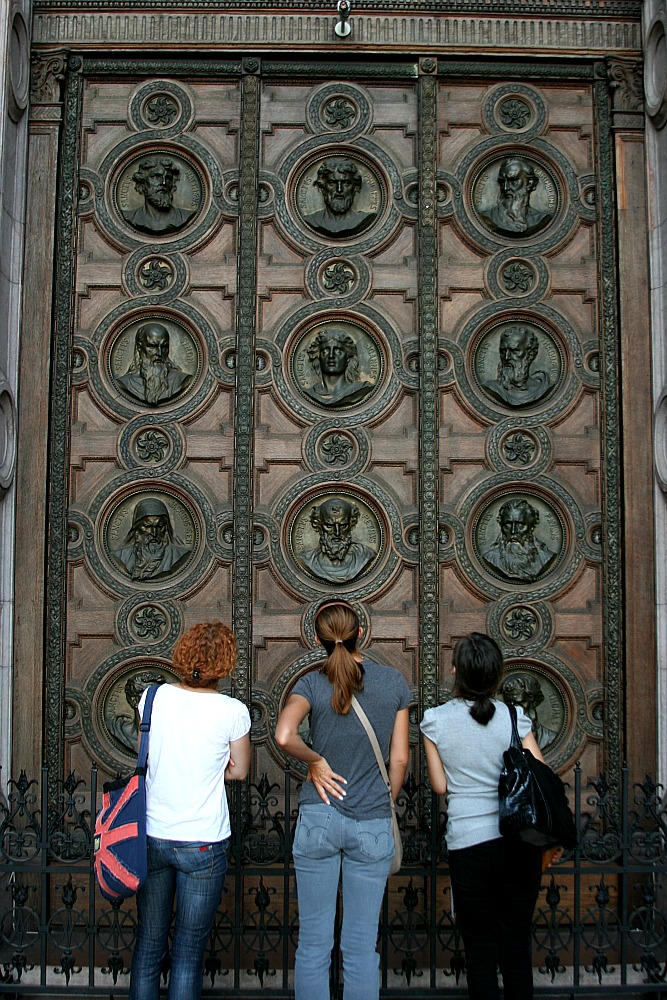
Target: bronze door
336 339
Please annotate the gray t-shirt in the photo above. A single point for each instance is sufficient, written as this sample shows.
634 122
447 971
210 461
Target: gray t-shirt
472 756
343 740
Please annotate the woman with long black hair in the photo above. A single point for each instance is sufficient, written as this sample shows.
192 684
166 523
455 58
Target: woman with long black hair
344 812
495 880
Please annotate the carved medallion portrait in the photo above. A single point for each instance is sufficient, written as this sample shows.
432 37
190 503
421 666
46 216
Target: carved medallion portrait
540 699
150 536
339 197
336 538
519 538
120 704
337 364
518 364
159 193
515 197
153 361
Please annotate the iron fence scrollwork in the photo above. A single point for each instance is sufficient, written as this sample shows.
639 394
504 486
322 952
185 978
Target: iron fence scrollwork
600 925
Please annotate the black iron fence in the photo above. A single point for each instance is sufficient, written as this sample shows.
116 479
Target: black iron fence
600 925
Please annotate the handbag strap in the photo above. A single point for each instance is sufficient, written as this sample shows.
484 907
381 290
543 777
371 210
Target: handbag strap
516 739
145 727
370 732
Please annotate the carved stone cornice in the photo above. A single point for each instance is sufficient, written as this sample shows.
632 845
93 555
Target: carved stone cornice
557 8
47 73
563 29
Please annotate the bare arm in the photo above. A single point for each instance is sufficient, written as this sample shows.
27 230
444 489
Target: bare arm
239 759
287 737
530 743
436 771
398 752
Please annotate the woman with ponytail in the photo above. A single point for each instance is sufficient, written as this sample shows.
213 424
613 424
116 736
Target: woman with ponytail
495 880
344 810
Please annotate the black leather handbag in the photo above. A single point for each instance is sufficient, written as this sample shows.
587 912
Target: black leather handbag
532 801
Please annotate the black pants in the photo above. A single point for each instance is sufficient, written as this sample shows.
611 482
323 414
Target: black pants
495 887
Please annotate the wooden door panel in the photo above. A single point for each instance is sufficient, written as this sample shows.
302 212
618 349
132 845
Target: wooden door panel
345 448
160 449
520 434
359 449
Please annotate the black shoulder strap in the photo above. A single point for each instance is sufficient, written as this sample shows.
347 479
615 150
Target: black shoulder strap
516 740
145 726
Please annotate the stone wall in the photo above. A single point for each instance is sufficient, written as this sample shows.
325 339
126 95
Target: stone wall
14 57
655 85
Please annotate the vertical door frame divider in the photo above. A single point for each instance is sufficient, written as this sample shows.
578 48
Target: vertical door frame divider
428 387
244 403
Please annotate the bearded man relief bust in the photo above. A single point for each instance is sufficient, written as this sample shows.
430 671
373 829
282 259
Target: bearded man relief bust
337 558
153 377
513 215
156 178
517 384
151 550
516 553
339 182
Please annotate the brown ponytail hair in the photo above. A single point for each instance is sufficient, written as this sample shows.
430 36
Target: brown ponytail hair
337 628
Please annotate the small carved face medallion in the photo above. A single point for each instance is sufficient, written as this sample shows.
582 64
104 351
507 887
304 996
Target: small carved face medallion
153 361
159 193
119 709
540 699
149 537
336 538
519 538
339 197
518 364
337 365
515 197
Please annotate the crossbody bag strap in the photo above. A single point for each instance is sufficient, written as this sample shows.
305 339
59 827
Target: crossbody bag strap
370 732
145 726
516 739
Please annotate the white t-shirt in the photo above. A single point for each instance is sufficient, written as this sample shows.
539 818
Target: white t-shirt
187 756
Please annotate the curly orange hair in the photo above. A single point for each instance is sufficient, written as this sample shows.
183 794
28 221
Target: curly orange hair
205 654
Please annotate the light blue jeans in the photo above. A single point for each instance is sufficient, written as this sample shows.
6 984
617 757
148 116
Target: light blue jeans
324 842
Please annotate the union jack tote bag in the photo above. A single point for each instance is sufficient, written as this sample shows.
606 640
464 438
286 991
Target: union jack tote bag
120 827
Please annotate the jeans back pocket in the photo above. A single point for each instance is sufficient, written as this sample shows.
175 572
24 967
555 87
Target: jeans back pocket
311 838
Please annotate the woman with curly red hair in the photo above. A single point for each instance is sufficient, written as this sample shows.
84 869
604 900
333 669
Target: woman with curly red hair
198 739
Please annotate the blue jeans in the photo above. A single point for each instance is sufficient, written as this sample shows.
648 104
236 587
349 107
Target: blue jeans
194 873
495 886
324 842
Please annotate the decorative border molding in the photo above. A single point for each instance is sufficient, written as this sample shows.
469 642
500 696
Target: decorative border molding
59 429
88 27
506 69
